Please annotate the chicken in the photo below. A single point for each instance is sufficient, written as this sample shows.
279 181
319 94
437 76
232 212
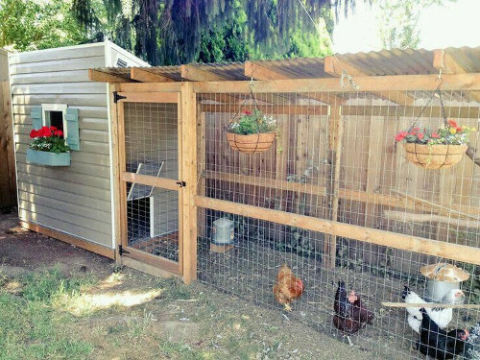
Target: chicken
472 346
287 287
441 316
437 343
350 313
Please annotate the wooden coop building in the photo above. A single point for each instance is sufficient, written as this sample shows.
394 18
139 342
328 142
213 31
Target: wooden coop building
334 196
72 203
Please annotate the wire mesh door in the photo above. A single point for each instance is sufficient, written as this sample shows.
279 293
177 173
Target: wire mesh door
149 178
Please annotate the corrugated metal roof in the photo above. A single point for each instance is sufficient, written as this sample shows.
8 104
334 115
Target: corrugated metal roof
375 63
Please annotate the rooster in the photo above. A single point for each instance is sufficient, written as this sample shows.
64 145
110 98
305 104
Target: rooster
441 316
437 343
287 287
350 313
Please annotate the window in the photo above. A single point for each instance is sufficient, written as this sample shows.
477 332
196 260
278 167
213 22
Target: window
54 115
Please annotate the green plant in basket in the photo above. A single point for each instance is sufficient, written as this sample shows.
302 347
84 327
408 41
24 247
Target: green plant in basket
451 134
252 122
48 139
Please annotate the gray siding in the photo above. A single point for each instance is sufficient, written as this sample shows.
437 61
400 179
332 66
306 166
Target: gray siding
76 199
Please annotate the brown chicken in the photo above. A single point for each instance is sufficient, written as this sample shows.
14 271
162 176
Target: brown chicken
350 313
287 287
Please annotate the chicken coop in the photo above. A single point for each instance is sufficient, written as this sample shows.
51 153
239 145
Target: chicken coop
330 193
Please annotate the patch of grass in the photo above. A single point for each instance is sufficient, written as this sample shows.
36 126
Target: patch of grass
43 286
29 326
175 290
181 351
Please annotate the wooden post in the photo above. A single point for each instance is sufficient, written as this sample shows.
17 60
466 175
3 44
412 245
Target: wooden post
188 244
334 157
374 172
8 194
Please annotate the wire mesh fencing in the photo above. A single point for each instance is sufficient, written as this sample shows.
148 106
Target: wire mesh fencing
335 158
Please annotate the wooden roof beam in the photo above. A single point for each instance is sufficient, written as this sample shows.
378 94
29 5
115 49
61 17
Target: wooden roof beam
335 67
194 73
145 75
444 62
260 72
100 76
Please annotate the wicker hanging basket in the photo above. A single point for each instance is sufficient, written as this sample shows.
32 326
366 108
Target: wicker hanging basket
434 156
251 143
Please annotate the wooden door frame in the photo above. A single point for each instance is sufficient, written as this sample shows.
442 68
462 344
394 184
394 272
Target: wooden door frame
187 242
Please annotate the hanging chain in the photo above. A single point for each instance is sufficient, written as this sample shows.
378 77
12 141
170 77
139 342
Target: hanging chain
437 90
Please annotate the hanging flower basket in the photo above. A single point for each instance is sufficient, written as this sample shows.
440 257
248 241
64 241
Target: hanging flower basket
251 132
252 143
48 148
438 149
434 156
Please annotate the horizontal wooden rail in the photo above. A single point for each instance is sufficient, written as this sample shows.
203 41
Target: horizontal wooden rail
430 305
267 182
372 236
464 112
150 97
165 264
464 82
394 201
164 183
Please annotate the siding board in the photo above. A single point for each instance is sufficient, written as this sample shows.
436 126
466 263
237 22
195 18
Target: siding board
72 100
74 209
79 189
61 88
84 111
66 196
50 77
38 56
63 175
87 233
57 65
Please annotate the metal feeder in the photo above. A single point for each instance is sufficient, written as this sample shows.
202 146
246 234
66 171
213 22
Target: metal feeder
442 278
223 232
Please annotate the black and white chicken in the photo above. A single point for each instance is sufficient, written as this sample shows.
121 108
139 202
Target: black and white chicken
437 343
441 316
472 345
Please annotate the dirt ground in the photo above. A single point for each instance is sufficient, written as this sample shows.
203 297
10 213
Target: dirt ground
124 314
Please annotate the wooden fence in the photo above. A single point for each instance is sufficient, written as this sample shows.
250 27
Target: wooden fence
8 194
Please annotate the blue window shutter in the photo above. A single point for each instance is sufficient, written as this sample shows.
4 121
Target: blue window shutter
73 132
36 115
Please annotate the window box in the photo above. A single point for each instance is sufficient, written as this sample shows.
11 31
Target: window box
48 158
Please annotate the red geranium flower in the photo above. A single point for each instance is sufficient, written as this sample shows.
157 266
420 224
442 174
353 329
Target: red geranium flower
435 135
452 123
459 129
401 135
34 134
420 136
58 133
53 128
247 112
45 131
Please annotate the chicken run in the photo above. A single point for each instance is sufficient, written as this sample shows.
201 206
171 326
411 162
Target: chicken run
349 201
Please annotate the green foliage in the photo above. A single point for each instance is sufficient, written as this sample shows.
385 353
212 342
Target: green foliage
43 286
399 20
29 25
252 123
